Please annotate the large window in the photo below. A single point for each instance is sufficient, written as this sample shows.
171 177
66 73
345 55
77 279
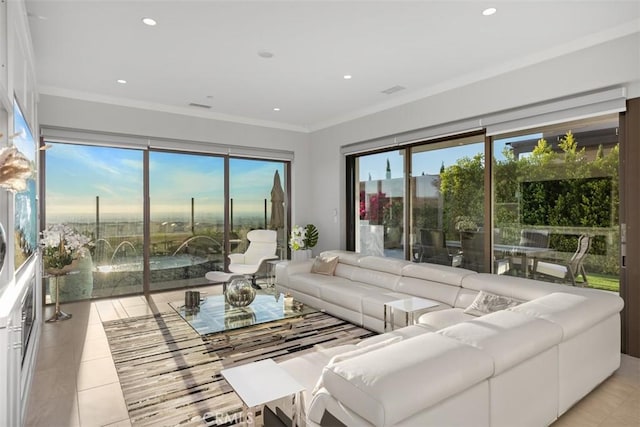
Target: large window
251 186
186 198
99 192
380 200
554 203
447 202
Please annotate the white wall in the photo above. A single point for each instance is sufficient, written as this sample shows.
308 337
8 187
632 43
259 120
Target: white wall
612 64
94 116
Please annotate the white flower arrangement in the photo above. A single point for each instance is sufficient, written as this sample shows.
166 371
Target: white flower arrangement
61 244
303 237
298 238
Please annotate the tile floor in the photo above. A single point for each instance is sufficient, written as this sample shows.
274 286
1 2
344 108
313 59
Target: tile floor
76 384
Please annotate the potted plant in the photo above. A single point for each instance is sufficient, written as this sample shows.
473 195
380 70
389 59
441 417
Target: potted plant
302 240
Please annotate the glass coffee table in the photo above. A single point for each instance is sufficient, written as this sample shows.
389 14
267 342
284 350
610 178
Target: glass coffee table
215 315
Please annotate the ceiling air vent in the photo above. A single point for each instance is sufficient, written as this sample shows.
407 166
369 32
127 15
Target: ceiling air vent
194 104
393 89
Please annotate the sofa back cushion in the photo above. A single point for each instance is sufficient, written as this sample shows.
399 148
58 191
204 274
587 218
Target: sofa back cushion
375 278
465 298
385 264
428 289
514 287
509 337
345 270
573 313
437 273
345 257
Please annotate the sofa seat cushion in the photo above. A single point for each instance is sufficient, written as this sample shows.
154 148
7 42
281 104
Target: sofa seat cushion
373 304
436 320
417 373
347 295
310 283
574 313
509 337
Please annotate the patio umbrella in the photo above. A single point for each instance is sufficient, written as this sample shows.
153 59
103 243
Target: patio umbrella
277 203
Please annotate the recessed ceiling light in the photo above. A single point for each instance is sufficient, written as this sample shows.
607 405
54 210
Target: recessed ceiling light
347 76
149 21
265 54
489 11
276 109
122 81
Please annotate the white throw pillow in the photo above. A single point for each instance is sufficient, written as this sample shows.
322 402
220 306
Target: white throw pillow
353 353
486 303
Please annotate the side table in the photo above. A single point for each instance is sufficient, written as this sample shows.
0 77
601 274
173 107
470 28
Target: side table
271 273
261 382
410 306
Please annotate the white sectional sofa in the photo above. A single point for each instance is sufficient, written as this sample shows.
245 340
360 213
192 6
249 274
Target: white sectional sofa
521 366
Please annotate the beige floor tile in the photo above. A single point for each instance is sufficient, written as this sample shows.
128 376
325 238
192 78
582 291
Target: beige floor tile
55 357
138 310
55 412
133 301
94 332
123 423
53 383
94 349
97 372
94 316
106 310
100 406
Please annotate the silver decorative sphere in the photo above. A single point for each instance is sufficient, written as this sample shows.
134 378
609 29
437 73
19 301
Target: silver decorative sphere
240 293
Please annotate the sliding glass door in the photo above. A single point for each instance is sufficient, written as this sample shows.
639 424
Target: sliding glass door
98 191
380 202
186 202
557 201
447 202
252 183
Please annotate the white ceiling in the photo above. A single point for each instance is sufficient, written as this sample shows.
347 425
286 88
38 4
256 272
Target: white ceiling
206 52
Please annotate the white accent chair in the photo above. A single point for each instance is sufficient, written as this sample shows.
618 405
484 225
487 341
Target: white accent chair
570 270
262 248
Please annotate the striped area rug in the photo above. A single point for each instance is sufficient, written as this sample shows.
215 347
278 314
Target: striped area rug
170 375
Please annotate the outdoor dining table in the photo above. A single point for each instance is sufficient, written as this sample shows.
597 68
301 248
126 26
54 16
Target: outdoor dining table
524 252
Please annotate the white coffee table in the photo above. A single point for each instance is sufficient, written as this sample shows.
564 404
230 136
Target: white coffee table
410 306
259 383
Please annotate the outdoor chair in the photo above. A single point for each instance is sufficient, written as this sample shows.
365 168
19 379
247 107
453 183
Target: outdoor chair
472 244
432 249
530 239
262 248
571 269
